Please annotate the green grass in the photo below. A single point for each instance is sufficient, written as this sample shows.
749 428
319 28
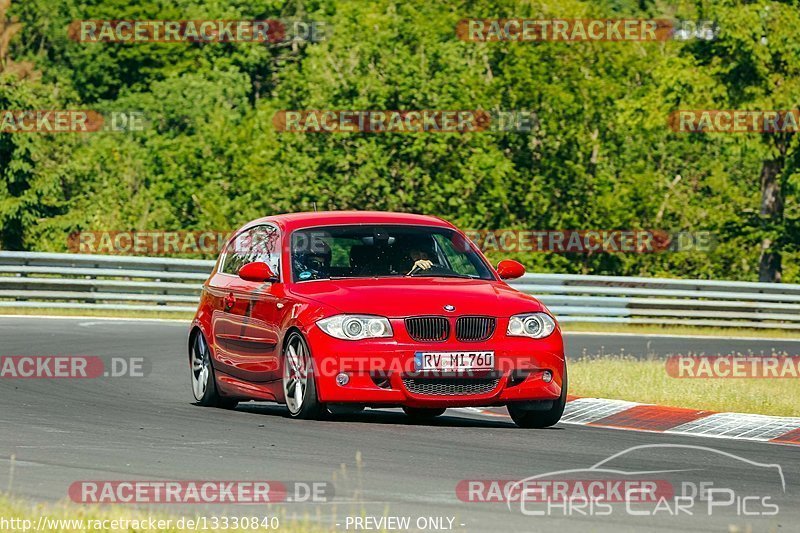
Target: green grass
647 382
655 329
65 512
347 479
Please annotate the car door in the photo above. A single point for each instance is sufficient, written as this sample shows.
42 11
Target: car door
246 328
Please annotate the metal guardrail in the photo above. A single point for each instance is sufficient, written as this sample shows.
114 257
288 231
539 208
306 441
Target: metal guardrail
95 282
636 300
76 281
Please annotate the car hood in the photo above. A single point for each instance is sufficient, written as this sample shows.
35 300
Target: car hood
401 297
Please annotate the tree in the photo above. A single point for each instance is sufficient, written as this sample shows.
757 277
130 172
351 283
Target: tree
757 59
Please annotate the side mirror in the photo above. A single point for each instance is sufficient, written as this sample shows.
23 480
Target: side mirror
510 269
258 271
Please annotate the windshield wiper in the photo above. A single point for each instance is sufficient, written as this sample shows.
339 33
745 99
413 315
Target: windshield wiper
416 275
365 276
431 275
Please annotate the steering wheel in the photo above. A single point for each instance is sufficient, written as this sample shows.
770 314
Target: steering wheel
435 269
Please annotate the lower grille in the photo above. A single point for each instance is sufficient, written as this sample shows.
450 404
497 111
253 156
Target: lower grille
428 328
475 328
450 386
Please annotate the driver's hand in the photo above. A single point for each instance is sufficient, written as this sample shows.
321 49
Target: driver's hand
421 264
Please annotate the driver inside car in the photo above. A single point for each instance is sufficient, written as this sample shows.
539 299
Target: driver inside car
421 261
315 262
420 252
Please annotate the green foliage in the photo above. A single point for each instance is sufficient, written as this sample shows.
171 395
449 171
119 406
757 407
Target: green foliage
600 157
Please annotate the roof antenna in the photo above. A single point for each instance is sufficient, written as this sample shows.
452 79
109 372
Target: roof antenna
315 206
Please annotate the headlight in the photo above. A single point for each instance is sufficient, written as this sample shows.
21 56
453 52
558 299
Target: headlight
356 327
533 325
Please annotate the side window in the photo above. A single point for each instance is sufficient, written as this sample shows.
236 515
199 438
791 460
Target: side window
261 243
458 261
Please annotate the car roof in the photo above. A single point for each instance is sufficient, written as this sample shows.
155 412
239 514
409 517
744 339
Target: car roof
292 221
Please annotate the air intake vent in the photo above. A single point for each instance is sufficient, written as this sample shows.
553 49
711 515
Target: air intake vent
450 386
475 328
428 328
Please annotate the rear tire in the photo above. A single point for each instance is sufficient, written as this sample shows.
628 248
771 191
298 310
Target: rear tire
527 418
419 413
299 384
204 381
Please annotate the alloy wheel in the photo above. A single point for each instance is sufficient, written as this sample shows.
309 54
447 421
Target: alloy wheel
201 362
295 373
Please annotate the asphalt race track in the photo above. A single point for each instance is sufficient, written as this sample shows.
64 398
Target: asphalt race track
147 428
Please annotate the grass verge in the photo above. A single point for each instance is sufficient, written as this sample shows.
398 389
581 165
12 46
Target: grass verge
648 382
64 517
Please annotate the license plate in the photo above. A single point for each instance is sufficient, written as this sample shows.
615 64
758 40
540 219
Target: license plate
454 360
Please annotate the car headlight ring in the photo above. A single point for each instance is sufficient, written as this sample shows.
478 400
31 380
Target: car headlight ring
356 327
533 325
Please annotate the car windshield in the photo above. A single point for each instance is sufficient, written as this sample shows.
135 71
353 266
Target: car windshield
364 251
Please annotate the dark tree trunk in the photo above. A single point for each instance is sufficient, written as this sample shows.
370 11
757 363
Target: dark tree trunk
769 268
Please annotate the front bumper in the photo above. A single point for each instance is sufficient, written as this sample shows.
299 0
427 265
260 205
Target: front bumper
381 371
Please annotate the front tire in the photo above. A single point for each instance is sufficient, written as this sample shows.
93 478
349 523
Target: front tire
299 385
204 381
529 418
421 414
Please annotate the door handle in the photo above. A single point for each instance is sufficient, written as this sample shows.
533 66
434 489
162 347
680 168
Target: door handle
229 300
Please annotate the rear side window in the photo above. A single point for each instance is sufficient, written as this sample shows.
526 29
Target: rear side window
261 243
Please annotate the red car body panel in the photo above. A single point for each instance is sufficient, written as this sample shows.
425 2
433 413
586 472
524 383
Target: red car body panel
245 324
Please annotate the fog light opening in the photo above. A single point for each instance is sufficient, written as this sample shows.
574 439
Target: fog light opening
342 379
518 376
547 376
381 379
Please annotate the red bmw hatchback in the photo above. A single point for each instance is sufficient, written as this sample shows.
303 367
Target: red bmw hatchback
346 310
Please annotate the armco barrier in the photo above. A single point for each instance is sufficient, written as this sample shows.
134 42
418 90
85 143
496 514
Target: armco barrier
94 282
75 281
